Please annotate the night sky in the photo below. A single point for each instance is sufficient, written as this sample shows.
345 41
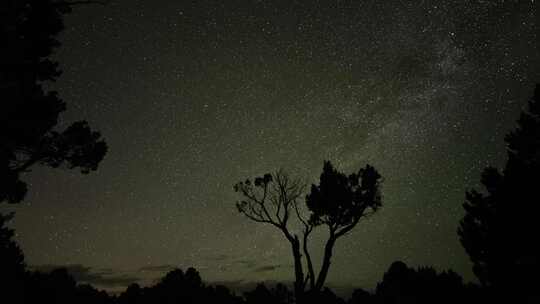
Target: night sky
193 96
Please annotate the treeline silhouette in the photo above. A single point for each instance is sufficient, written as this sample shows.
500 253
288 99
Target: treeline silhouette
400 284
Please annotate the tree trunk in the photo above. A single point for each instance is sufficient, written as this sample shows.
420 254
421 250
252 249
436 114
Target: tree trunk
311 273
326 263
299 274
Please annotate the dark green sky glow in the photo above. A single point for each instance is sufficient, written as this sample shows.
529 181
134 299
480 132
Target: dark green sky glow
193 97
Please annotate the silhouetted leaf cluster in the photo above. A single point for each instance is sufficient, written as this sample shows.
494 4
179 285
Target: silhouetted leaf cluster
340 201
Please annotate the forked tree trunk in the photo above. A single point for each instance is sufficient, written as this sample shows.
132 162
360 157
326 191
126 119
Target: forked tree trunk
298 272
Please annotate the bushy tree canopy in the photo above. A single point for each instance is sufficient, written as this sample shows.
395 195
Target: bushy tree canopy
499 228
340 200
29 112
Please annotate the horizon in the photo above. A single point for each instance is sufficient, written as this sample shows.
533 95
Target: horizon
116 282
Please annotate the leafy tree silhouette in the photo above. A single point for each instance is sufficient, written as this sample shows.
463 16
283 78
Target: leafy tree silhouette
221 294
29 112
338 202
402 284
499 226
178 286
29 115
59 287
360 296
132 295
261 295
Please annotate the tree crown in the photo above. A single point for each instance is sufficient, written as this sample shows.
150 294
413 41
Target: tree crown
340 200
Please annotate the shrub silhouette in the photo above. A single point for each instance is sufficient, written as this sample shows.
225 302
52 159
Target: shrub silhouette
402 284
178 286
360 296
262 295
59 287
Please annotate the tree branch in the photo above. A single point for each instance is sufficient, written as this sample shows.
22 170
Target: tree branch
27 164
311 272
349 227
281 195
326 261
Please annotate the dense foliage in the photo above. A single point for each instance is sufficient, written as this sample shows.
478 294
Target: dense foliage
29 112
499 226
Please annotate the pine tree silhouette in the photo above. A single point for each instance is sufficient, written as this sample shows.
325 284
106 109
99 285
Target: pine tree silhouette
499 229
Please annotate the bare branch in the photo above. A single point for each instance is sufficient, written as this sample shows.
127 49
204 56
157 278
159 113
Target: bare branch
349 227
259 220
302 220
282 195
278 208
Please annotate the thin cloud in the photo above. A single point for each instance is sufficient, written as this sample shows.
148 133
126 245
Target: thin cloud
247 263
220 257
157 268
267 268
104 277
